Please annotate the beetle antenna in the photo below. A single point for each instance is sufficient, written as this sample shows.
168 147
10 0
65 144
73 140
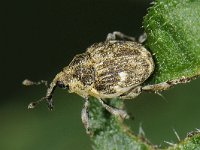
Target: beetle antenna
28 82
48 97
34 104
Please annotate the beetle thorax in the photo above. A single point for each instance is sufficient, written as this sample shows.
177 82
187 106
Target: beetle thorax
79 75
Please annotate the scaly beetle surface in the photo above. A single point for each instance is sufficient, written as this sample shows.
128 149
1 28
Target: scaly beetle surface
110 69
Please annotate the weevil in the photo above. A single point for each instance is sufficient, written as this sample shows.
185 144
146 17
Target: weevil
110 69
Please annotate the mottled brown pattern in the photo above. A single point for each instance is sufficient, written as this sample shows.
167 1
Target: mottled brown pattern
85 74
80 60
111 58
83 69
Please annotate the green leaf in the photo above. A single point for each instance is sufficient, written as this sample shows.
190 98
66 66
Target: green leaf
189 143
173 31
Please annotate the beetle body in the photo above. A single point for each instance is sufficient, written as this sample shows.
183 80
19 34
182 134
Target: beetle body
108 69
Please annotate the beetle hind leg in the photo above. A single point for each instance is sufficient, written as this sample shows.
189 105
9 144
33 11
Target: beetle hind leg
132 93
115 111
168 84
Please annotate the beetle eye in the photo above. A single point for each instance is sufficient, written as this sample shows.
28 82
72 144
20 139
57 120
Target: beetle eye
67 87
62 85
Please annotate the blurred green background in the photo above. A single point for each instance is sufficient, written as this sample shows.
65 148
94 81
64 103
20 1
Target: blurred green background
42 37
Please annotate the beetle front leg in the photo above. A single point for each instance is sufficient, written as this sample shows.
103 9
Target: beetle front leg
85 116
118 35
115 111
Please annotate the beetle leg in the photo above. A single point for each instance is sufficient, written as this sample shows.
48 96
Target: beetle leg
117 112
132 93
85 116
118 35
142 38
166 85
